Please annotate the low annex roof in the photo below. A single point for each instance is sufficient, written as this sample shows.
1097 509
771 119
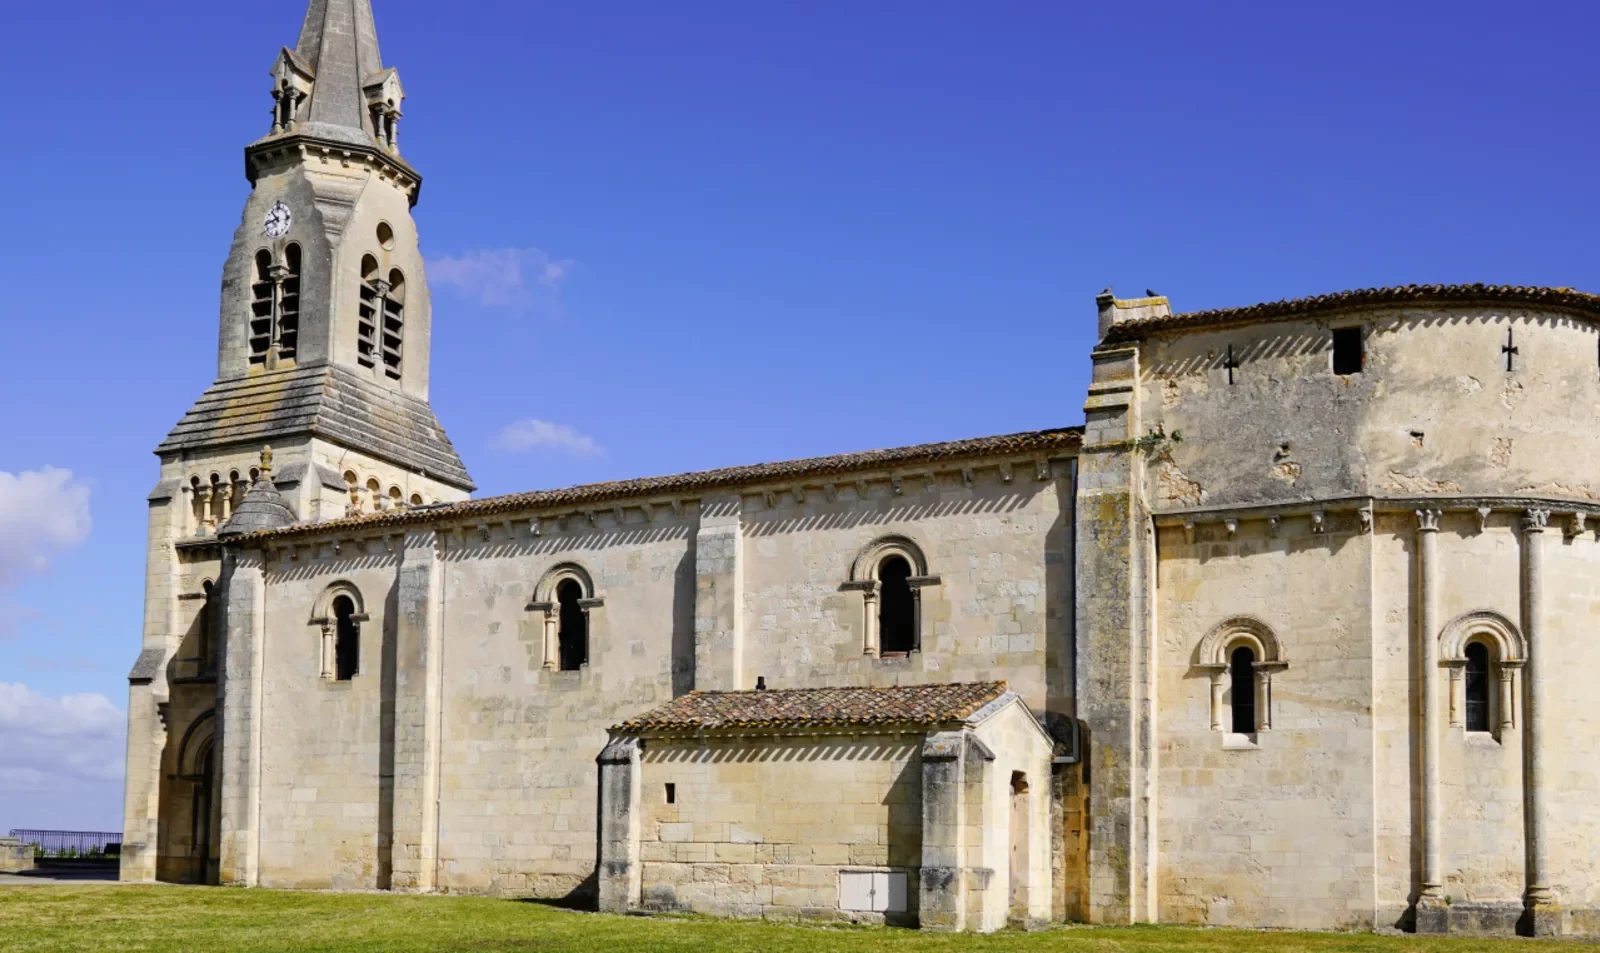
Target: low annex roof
907 705
1558 299
1040 441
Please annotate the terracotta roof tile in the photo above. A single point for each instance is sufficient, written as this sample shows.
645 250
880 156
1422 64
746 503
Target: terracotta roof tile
909 705
1040 441
1557 299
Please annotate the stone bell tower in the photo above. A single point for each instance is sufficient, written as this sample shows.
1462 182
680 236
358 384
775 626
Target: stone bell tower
323 353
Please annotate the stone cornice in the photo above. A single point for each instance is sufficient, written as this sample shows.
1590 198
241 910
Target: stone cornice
257 153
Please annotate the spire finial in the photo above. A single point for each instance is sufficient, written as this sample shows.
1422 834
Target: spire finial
266 461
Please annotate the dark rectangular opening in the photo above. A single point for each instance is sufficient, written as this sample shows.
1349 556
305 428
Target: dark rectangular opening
672 794
1347 350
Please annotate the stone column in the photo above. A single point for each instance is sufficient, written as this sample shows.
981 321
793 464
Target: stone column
620 870
869 622
1508 675
239 730
419 647
1540 898
1218 687
1432 916
942 894
719 596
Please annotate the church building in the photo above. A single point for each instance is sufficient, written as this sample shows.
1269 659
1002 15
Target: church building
1289 632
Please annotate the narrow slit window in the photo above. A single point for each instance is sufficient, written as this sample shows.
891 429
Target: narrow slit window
1477 687
367 326
897 611
1347 356
289 305
672 794
1242 677
261 308
347 640
573 637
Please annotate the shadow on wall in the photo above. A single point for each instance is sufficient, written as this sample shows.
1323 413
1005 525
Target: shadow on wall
771 525
388 686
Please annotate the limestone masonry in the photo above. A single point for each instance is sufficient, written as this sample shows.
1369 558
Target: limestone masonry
1292 632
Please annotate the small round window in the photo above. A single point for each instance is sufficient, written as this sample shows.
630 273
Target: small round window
385 236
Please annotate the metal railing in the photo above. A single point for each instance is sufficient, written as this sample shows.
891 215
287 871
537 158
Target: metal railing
71 843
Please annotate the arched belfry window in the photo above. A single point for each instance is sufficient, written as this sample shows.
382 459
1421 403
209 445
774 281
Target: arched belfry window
275 307
339 615
1241 655
565 600
891 574
382 319
1483 651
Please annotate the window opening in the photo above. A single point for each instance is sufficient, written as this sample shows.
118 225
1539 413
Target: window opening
672 794
367 326
897 615
289 305
347 641
261 308
1477 687
1347 356
206 650
1241 668
573 637
394 321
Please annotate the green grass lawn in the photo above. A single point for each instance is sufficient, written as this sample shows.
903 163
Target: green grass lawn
189 919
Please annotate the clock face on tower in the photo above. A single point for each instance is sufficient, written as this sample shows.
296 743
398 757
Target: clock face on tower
278 221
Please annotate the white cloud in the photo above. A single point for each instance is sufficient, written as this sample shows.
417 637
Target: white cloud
520 279
526 436
62 760
42 513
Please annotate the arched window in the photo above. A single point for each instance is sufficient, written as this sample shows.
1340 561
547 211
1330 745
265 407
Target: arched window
897 610
289 305
206 650
1477 688
372 291
891 574
1242 688
1241 655
573 627
275 308
394 323
261 308
565 598
347 640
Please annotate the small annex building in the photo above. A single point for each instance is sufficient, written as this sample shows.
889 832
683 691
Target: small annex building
913 805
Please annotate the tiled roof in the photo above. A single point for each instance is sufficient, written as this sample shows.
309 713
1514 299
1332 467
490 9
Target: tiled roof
908 705
327 400
1557 299
1041 441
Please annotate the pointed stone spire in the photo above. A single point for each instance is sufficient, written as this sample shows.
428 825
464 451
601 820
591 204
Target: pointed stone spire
339 44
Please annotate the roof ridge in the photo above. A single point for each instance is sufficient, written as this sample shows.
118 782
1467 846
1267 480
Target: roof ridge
1027 442
1561 297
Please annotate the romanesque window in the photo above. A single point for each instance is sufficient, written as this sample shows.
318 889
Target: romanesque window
1484 652
1242 689
338 618
564 601
891 574
382 318
206 649
1241 655
347 640
573 627
1477 687
275 308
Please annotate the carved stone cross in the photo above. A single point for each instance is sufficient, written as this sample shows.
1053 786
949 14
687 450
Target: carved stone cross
1231 363
1510 351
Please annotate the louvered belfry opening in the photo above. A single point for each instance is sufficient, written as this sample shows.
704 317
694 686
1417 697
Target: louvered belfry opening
394 322
367 329
261 308
289 305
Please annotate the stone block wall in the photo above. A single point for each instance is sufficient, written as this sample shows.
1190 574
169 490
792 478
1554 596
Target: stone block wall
763 828
15 856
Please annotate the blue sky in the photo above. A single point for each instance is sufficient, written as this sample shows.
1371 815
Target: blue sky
675 236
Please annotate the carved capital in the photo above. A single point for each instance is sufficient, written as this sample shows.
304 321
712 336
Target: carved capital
1535 520
1428 521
